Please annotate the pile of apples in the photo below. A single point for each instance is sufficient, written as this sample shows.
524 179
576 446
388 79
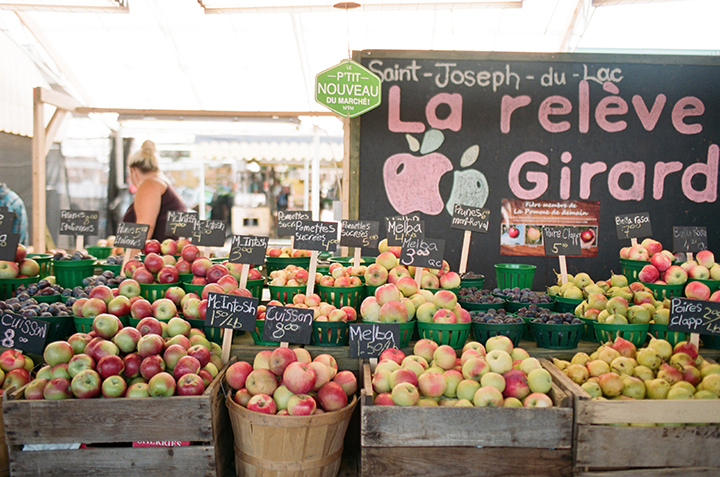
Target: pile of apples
153 269
618 370
115 361
322 311
387 269
291 276
286 252
403 301
15 369
341 276
288 382
21 267
494 375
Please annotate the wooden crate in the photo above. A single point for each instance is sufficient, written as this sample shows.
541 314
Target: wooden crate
442 441
115 424
603 449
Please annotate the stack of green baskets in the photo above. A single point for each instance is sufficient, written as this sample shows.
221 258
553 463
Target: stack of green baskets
637 334
155 291
330 333
285 294
453 334
511 275
665 291
257 335
99 252
473 282
45 262
554 336
70 273
342 296
483 331
9 285
631 268
566 305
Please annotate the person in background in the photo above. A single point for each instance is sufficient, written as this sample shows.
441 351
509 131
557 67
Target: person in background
14 204
154 196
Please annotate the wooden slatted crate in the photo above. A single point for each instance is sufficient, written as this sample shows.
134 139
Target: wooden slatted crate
446 441
602 448
115 424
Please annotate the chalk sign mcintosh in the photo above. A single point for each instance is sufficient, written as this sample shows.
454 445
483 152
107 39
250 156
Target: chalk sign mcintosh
231 311
180 224
359 233
209 233
248 249
79 222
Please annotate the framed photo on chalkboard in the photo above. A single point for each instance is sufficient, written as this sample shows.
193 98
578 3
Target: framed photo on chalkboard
79 222
288 220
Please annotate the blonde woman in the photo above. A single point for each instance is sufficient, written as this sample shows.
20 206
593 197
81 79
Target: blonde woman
154 196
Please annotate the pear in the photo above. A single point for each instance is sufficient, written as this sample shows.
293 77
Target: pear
623 365
698 395
650 358
581 308
663 348
580 358
593 289
679 393
650 307
707 368
711 383
624 347
602 284
633 387
617 305
618 280
593 389
608 354
662 316
574 292
597 300
561 364
643 372
616 320
553 290
582 280
685 385
603 316
657 388
639 315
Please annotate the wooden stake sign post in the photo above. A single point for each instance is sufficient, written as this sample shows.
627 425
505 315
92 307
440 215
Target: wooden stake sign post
130 236
561 242
80 223
633 226
470 219
359 234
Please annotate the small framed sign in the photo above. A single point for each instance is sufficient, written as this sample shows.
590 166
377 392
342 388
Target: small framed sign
561 240
689 239
8 246
291 325
470 218
180 224
248 249
231 311
312 235
369 340
400 227
423 252
79 222
694 316
209 233
359 233
130 235
7 219
288 220
23 333
629 226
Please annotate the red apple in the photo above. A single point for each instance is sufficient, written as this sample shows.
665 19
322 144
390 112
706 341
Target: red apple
86 384
131 266
140 310
109 366
190 252
152 246
150 366
143 275
168 274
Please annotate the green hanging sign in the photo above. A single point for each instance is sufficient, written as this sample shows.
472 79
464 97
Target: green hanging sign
348 89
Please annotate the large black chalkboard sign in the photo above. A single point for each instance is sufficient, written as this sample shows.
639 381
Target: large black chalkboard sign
7 219
288 324
399 228
231 311
180 224
315 235
636 133
561 241
690 239
8 246
79 222
473 219
23 333
423 252
694 316
288 220
248 249
130 235
630 226
369 340
359 233
209 233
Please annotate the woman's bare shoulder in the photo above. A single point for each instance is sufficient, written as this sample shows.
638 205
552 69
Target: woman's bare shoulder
153 185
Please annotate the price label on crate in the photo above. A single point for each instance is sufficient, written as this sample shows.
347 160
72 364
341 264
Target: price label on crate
79 222
368 340
209 233
8 246
629 226
231 311
689 239
180 224
313 235
561 240
423 252
288 220
470 218
23 333
359 233
7 219
694 316
291 325
248 249
130 235
400 227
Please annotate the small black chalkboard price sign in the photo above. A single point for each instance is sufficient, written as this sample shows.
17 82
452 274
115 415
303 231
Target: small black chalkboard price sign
7 219
248 249
79 222
369 340
23 333
290 325
359 233
423 252
209 233
470 218
694 316
231 311
689 239
399 227
561 240
180 224
288 220
8 246
629 226
314 235
130 235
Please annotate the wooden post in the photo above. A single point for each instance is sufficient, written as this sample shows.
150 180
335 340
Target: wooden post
228 333
79 242
465 252
357 257
418 275
311 273
563 269
38 173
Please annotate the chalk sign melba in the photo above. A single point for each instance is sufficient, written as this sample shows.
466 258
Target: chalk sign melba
369 340
474 219
403 226
288 324
315 235
131 235
8 246
248 249
79 222
561 241
209 233
23 333
629 226
423 252
7 219
180 224
359 233
690 239
231 311
288 220
694 316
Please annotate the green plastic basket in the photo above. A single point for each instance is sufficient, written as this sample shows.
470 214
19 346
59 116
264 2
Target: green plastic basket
527 331
511 275
342 296
453 334
219 260
60 329
472 282
256 287
45 261
557 336
665 291
710 341
185 277
192 288
99 252
481 306
515 306
483 331
566 305
155 291
637 334
70 273
9 285
370 290
631 268
257 335
589 330
285 294
47 298
111 267
211 333
330 333
83 325
349 260
277 263
663 333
